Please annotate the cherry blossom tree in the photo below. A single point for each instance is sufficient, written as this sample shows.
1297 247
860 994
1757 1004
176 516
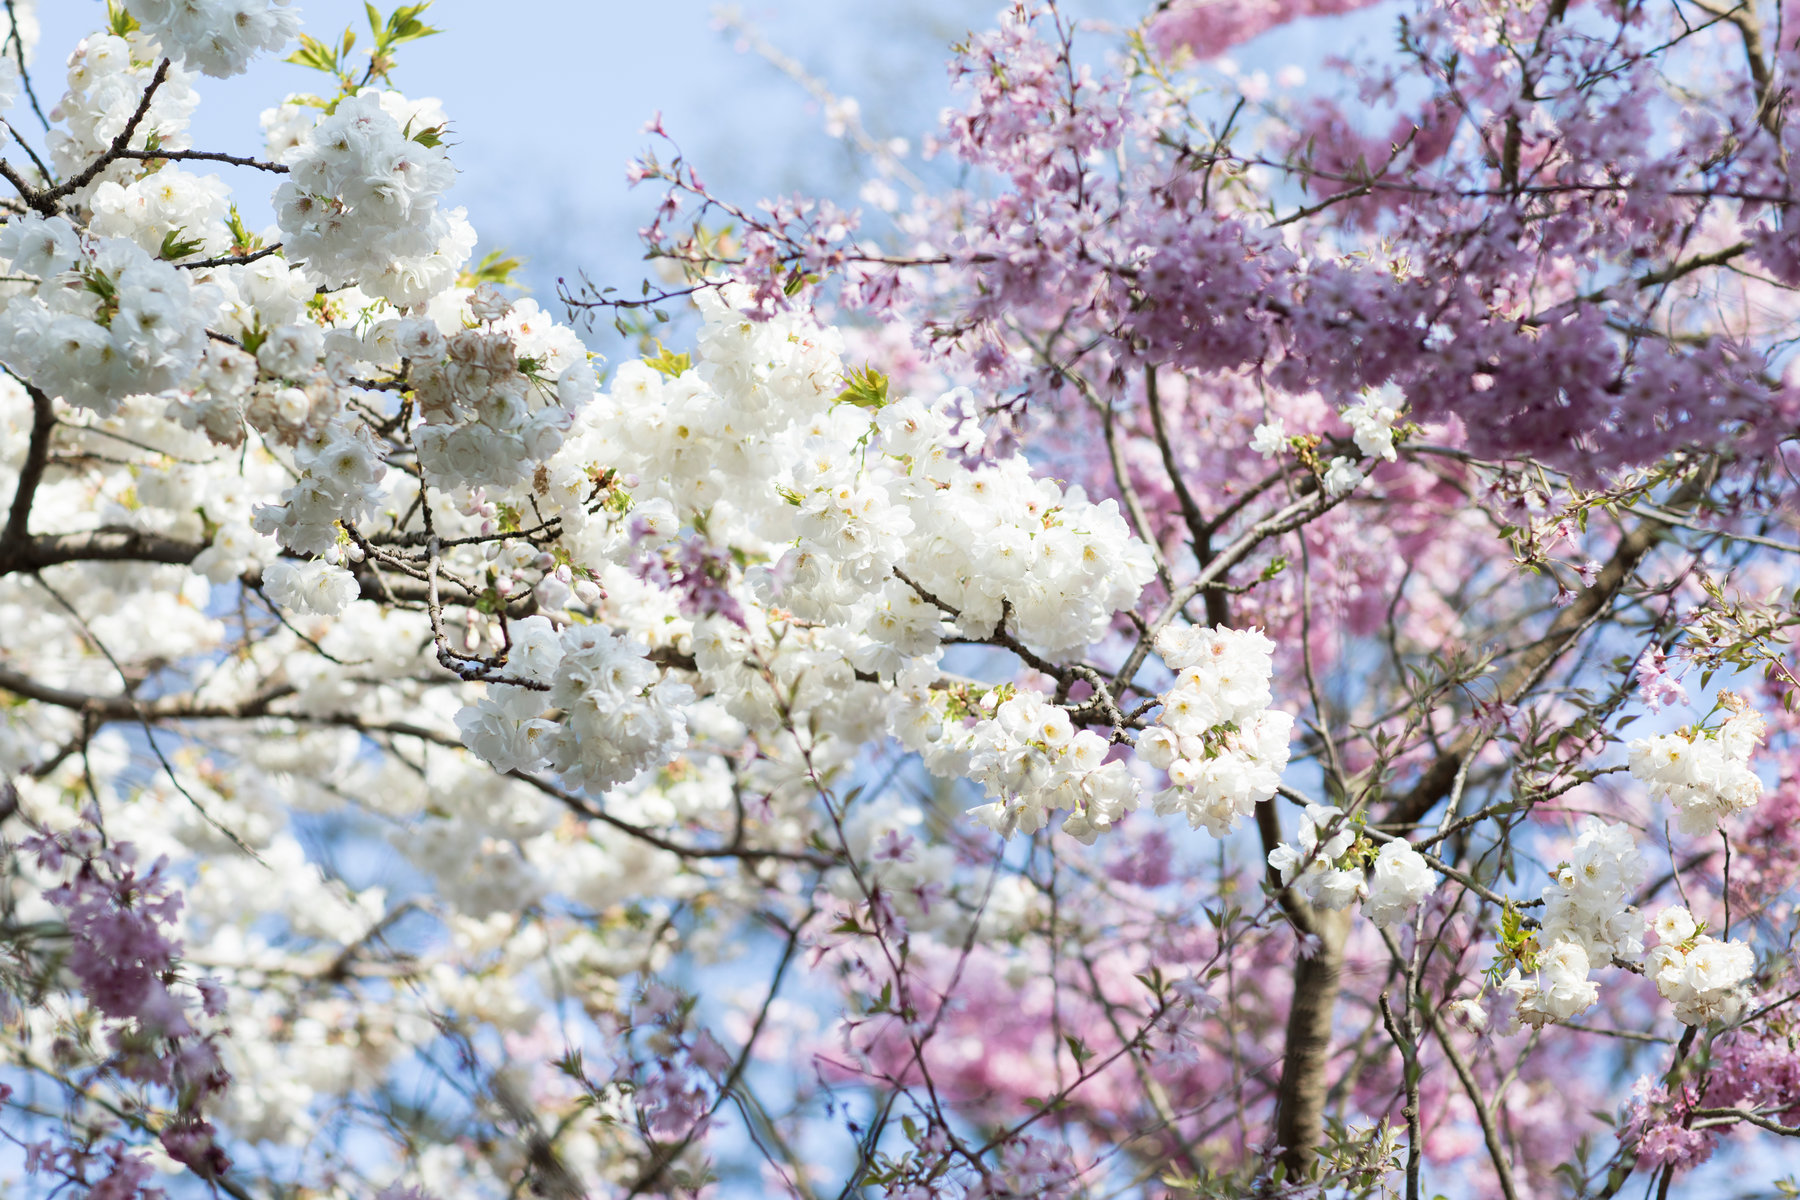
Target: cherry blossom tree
1220 638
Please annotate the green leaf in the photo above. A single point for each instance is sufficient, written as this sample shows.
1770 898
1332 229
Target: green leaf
796 281
495 267
315 54
175 247
670 364
242 240
118 21
403 25
867 388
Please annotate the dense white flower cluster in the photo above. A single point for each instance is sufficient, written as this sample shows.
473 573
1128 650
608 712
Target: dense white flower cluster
1035 762
1705 774
107 77
600 714
996 538
1399 882
170 207
496 399
107 321
361 202
309 587
340 480
1701 976
1323 871
1559 989
1588 901
1588 922
803 547
1222 745
216 37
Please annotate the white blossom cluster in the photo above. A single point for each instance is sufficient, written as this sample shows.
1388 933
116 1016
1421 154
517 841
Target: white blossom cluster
1222 745
486 421
1559 989
1318 864
361 202
1588 921
605 713
1588 901
1371 420
1399 882
340 479
1701 976
1032 759
216 37
1706 775
1329 873
107 76
999 539
168 206
310 586
106 321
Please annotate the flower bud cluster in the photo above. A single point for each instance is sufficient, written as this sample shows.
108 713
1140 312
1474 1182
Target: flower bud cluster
1222 745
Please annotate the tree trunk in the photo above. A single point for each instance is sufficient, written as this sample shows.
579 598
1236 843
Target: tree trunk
1300 1103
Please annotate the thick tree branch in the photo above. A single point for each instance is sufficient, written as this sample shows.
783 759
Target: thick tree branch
31 473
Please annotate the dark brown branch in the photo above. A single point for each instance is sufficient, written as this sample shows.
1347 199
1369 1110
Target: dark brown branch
104 545
581 806
235 160
31 473
231 260
47 201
